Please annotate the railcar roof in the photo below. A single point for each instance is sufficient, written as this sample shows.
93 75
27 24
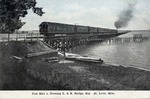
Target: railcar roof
55 23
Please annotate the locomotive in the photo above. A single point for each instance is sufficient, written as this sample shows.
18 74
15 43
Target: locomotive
52 28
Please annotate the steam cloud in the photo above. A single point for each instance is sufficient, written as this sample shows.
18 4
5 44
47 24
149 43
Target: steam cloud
125 16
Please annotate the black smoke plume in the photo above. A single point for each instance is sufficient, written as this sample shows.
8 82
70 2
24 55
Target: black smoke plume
125 16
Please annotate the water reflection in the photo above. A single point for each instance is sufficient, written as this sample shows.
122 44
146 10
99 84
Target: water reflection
127 52
125 40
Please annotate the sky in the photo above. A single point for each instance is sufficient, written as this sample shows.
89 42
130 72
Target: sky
98 13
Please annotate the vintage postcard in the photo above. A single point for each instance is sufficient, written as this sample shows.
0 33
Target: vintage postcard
75 49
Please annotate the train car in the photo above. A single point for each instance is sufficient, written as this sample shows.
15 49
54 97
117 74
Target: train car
82 29
55 28
105 30
101 30
112 31
92 30
51 28
43 28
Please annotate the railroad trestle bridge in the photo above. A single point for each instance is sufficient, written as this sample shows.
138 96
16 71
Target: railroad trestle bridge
65 36
66 42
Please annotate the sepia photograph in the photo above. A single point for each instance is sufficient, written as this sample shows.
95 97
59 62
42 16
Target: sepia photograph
74 45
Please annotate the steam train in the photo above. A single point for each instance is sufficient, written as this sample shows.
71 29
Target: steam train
52 28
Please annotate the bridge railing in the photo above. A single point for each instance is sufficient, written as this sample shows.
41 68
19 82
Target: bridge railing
20 37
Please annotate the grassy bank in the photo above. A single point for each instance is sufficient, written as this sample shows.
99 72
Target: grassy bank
80 76
36 74
73 76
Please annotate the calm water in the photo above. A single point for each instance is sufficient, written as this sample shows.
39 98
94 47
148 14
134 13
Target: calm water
135 54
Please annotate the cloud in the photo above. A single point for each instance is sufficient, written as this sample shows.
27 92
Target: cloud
90 12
